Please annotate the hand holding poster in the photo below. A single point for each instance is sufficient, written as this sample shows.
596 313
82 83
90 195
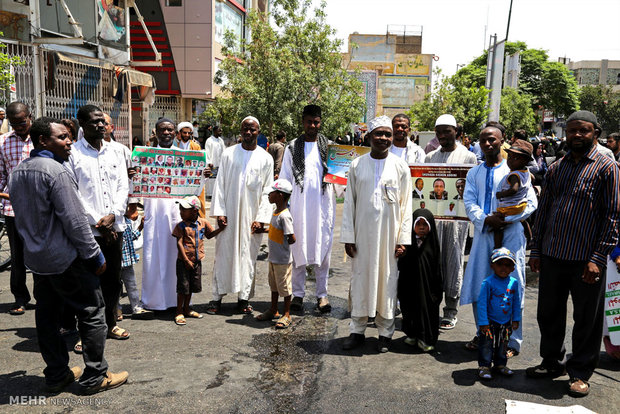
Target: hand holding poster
167 173
439 188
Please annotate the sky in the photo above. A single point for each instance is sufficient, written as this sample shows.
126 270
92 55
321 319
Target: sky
454 30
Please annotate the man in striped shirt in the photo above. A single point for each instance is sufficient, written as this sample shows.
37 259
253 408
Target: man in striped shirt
576 228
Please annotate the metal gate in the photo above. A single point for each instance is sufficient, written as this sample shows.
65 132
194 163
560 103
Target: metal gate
164 106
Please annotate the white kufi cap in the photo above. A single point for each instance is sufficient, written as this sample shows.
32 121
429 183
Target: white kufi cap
251 118
446 119
380 121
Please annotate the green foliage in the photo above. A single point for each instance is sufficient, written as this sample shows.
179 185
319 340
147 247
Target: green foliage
548 84
283 68
516 112
6 77
467 103
604 103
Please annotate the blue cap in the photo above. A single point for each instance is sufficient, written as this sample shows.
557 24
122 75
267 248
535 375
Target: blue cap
502 253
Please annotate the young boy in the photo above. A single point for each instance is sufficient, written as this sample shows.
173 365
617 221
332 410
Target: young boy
512 197
499 313
280 269
190 234
130 257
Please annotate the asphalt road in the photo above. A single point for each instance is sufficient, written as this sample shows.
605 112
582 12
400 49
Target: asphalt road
231 363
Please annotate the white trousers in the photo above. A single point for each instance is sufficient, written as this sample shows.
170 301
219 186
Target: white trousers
321 273
384 326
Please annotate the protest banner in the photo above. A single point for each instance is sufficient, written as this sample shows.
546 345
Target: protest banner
439 188
167 173
612 302
339 158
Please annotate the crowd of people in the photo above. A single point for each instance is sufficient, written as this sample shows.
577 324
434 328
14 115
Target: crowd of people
73 195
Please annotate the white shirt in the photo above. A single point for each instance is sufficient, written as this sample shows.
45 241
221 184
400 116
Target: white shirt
102 181
411 154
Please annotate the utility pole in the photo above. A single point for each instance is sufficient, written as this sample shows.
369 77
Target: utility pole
508 25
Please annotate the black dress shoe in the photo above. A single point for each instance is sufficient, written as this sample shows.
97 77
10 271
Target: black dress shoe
384 344
297 304
353 341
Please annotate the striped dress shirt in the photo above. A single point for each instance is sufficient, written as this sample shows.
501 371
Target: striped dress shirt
577 218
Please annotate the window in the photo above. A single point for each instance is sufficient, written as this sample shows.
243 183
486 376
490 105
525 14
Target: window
618 80
174 3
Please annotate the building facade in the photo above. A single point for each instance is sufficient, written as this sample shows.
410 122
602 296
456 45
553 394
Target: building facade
596 72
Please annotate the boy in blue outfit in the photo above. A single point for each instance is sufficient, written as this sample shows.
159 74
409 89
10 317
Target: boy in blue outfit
499 313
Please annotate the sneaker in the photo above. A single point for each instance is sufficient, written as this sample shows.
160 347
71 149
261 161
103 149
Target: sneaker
353 341
411 341
503 370
74 375
384 344
484 373
297 304
540 371
424 347
473 344
110 381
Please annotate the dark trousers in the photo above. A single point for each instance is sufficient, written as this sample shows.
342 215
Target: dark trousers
493 346
558 278
111 279
18 268
78 288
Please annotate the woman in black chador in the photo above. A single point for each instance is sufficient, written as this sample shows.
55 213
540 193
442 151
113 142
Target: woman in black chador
420 284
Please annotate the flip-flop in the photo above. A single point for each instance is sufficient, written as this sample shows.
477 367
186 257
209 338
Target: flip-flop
180 320
194 314
266 316
20 310
77 348
284 322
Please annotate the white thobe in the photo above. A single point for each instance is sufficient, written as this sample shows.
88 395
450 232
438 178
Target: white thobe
480 202
411 154
313 210
376 217
241 194
160 253
214 148
452 233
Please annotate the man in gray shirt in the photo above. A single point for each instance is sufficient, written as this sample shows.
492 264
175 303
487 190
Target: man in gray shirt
60 249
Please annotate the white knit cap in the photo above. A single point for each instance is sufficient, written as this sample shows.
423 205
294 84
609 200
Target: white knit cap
446 119
185 125
380 121
251 118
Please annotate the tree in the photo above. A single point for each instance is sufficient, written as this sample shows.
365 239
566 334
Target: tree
604 103
466 103
285 67
516 112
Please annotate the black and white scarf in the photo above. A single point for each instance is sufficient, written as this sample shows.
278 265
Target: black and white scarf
299 159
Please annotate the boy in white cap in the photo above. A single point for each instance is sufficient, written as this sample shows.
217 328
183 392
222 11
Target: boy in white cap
281 236
190 234
499 313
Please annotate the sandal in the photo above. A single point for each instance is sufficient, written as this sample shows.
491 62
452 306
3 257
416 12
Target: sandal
578 387
267 316
484 373
77 348
284 322
119 315
504 370
215 306
511 352
118 333
243 306
180 320
194 314
447 324
473 344
18 310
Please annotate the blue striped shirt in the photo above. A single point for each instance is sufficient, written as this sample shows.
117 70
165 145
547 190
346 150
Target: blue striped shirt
577 218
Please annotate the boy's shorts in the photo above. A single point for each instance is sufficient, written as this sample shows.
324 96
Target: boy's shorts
188 281
280 276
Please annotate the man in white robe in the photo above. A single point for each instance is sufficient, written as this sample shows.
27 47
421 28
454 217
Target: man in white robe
402 147
452 233
214 147
240 204
161 215
376 226
480 203
313 206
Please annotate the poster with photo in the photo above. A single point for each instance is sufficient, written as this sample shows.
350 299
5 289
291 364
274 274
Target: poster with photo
339 158
167 173
439 188
612 302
